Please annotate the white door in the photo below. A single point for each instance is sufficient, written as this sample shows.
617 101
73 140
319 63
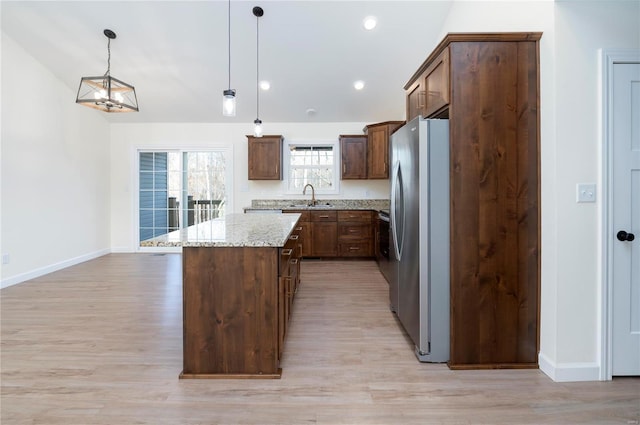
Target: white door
626 219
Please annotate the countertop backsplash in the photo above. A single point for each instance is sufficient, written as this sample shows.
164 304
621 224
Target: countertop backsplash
361 204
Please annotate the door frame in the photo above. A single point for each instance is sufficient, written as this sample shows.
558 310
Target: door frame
608 58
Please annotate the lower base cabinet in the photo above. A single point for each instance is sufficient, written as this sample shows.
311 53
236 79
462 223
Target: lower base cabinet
337 233
236 307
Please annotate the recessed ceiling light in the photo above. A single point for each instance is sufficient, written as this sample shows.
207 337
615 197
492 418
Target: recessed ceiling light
265 85
311 112
370 22
358 85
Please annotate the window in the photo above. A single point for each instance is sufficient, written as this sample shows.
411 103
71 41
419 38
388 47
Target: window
178 189
312 163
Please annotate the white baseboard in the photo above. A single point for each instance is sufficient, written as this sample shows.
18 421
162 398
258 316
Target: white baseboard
121 250
569 372
13 280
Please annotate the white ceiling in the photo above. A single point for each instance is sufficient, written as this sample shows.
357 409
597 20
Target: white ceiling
175 53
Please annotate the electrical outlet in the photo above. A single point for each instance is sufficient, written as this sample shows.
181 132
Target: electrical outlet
5 258
585 192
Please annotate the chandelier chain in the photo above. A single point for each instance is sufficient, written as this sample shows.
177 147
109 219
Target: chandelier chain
257 68
108 58
229 39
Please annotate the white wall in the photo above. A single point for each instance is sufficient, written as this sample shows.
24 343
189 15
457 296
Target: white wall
127 138
582 28
55 172
573 31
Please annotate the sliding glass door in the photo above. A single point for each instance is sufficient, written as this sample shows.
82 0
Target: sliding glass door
178 189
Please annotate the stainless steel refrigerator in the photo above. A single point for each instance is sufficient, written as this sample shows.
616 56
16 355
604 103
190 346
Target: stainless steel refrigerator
419 241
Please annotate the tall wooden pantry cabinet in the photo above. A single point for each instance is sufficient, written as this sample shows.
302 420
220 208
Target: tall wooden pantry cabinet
487 85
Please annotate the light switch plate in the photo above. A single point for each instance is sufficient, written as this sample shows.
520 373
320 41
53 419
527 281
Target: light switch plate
586 192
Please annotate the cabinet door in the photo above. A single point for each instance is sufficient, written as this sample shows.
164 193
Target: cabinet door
305 236
265 157
378 152
416 98
437 84
353 153
325 238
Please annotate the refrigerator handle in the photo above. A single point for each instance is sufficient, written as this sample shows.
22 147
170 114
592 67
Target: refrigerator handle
396 182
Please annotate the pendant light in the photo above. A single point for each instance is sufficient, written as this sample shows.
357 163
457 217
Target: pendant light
257 129
106 93
229 95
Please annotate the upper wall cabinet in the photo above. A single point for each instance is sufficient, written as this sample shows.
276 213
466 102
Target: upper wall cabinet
378 148
353 157
265 157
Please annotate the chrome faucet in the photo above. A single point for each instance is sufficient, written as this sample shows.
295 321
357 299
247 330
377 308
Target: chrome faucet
313 194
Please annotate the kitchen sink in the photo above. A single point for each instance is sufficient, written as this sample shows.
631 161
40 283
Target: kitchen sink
318 205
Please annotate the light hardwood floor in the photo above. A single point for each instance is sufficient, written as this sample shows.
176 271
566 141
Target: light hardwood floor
101 343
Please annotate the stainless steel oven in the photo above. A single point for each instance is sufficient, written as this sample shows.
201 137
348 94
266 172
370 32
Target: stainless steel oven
382 251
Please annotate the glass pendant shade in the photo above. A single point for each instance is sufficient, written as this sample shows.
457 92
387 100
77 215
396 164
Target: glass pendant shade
229 103
257 129
107 94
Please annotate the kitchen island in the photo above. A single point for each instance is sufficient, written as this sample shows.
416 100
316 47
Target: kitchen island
240 274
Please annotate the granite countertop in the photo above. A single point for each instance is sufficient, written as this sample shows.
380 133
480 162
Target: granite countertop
233 230
334 204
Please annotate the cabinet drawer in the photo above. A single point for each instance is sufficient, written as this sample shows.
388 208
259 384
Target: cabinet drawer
354 231
355 249
323 215
359 216
286 254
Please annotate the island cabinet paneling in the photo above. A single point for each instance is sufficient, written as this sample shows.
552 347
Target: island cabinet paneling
230 312
303 228
493 112
288 282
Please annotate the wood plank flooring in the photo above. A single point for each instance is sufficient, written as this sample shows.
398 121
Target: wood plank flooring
101 343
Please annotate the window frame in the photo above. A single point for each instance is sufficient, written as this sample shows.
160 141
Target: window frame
226 149
334 144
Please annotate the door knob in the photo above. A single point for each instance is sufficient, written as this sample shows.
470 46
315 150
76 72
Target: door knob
624 236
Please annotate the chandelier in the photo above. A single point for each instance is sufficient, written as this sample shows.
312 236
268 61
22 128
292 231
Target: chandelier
107 93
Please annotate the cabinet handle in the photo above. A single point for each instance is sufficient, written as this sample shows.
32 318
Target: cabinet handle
298 229
287 252
344 168
422 99
354 248
293 237
352 231
294 261
323 216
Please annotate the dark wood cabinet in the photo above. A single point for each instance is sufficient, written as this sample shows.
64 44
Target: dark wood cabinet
288 282
437 84
353 157
336 233
416 95
265 157
378 148
488 87
303 228
324 233
218 315
355 234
